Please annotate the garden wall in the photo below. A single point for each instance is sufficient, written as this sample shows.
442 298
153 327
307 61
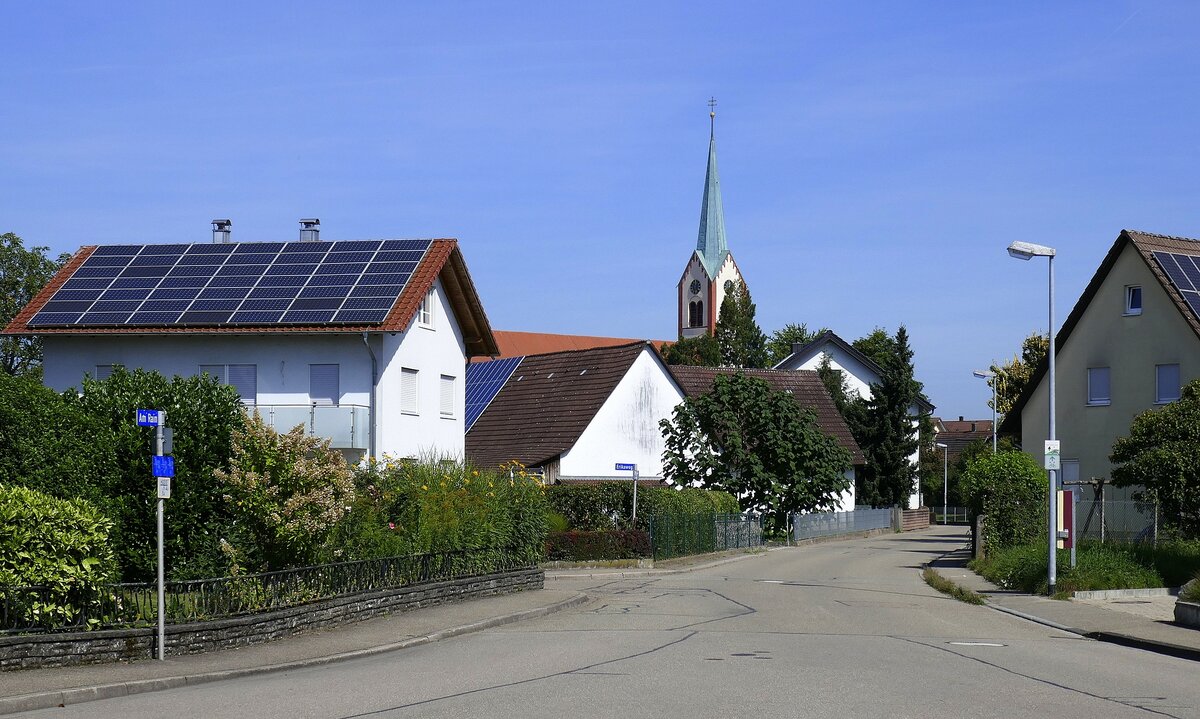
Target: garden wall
53 650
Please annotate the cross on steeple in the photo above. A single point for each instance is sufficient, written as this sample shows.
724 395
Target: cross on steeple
712 114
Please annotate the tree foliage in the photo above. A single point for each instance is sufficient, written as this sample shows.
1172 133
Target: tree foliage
1162 456
1011 489
1009 379
699 351
759 445
23 273
781 341
740 339
883 425
836 384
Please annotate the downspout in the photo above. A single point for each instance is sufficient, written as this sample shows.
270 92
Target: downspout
371 400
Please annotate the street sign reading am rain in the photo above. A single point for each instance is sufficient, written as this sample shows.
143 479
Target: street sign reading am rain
147 417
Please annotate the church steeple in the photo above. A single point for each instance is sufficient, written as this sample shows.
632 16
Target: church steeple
711 240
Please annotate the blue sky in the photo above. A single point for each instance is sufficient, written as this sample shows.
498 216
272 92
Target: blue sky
876 158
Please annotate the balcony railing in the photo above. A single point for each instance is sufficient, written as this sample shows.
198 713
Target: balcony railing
347 426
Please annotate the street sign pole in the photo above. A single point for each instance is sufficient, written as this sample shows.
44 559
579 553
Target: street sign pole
162 617
632 468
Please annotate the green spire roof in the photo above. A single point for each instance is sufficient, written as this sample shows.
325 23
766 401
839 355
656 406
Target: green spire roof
710 244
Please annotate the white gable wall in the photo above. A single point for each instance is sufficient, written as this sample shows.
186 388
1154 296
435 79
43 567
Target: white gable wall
694 272
625 429
432 351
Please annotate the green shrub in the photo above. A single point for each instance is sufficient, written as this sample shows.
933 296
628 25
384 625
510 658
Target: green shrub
606 544
609 505
60 544
1099 566
1176 561
405 507
1012 491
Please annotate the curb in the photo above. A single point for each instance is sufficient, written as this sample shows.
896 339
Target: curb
1150 645
78 695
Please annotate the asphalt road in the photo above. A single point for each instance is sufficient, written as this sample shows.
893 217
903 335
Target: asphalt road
846 629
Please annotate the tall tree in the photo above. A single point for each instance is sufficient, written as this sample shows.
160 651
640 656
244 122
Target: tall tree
884 428
23 273
699 351
741 340
1010 378
781 341
836 383
758 444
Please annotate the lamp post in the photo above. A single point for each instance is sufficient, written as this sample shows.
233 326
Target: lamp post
1027 251
990 375
945 478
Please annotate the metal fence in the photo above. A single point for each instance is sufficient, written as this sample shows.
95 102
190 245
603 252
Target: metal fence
831 524
39 609
1114 520
678 535
949 515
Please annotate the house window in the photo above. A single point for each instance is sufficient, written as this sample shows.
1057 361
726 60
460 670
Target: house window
447 396
1099 391
1166 383
242 377
1133 300
408 390
324 385
425 311
696 314
104 371
1070 470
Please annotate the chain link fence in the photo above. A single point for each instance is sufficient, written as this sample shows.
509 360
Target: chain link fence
680 535
832 524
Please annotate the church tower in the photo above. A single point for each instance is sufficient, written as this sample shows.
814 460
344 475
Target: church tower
711 272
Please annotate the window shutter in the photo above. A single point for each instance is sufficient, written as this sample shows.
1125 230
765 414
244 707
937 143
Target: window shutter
244 378
324 384
447 396
408 390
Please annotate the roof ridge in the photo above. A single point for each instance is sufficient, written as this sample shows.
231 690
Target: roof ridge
627 345
1162 236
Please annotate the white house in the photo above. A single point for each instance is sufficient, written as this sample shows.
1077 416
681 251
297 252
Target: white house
573 414
859 371
364 342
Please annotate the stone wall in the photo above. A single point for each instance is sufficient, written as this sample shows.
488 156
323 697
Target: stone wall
53 650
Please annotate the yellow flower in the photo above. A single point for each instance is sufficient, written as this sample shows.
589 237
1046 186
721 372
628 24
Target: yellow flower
425 487
466 481
475 473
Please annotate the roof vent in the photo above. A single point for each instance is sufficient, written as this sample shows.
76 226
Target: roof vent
221 231
310 230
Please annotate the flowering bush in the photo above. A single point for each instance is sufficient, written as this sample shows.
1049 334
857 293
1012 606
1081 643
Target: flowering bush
289 491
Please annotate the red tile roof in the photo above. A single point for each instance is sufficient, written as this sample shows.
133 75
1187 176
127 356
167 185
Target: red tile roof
804 385
443 259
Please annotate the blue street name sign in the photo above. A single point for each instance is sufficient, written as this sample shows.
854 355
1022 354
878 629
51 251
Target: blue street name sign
147 417
163 466
621 466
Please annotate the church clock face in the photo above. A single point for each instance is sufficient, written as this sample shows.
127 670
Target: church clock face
729 285
695 287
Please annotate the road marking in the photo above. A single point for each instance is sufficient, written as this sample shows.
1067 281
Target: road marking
772 581
977 644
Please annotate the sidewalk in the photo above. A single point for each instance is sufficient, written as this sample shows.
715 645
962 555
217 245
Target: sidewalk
43 688
1140 622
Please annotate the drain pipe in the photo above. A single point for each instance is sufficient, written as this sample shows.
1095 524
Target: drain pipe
371 401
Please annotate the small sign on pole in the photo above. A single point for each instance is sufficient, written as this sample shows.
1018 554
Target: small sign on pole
1053 454
164 487
625 467
162 466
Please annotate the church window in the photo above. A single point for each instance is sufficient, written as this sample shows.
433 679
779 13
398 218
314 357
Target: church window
696 314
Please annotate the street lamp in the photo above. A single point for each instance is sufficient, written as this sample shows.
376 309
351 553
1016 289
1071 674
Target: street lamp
990 375
945 477
1027 251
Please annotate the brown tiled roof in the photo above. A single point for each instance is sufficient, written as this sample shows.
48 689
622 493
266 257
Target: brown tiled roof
520 344
546 404
804 385
957 434
1146 244
443 259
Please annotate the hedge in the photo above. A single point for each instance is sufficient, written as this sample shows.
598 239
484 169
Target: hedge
608 505
607 544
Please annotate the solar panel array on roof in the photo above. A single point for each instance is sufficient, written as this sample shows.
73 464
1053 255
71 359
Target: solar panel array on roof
247 283
484 380
1184 272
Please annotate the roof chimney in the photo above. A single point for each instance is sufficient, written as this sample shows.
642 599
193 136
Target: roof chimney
310 230
221 231
960 418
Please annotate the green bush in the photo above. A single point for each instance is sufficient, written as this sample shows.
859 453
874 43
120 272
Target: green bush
60 544
1176 561
204 415
412 508
606 544
1099 566
1011 490
609 505
1191 591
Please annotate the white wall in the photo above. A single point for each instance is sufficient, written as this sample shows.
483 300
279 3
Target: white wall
432 351
626 427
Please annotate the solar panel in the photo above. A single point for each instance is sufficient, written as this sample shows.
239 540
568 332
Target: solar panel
352 282
484 380
1184 273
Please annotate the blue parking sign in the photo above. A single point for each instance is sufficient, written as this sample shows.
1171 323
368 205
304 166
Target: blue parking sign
163 466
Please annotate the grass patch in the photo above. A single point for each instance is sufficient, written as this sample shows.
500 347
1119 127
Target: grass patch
1099 566
1191 592
945 586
